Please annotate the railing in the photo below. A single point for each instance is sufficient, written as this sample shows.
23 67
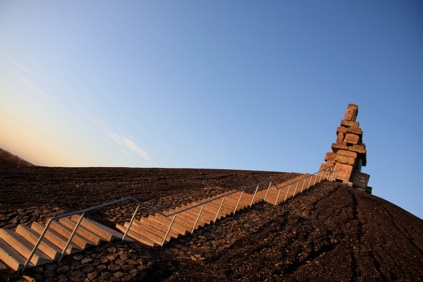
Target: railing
174 214
326 173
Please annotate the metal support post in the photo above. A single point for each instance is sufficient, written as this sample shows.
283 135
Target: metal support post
320 176
295 191
252 200
239 200
218 211
71 237
168 230
277 197
286 194
198 218
268 188
309 182
130 223
302 187
37 244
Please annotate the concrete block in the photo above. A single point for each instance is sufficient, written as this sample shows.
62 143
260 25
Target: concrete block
345 160
339 146
360 179
352 139
343 172
361 149
347 153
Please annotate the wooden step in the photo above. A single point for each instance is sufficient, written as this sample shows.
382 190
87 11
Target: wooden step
45 246
145 233
62 230
11 257
23 247
160 226
179 226
55 238
82 231
155 230
99 229
137 237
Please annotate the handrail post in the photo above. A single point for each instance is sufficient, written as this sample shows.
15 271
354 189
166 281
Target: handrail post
277 197
268 188
295 191
218 211
239 200
168 230
287 191
37 244
71 237
130 223
198 218
302 187
309 182
252 200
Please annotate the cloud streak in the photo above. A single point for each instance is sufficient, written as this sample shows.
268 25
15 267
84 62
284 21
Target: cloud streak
25 76
126 143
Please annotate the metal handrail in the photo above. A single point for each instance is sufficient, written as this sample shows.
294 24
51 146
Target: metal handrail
306 177
130 198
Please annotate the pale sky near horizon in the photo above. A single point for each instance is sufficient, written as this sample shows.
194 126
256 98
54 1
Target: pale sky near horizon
256 85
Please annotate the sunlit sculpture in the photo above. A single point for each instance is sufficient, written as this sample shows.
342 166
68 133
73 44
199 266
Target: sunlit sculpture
349 152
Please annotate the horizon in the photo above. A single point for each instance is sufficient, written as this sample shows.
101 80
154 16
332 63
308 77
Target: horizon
222 85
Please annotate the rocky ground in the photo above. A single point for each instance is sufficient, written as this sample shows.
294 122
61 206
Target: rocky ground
331 232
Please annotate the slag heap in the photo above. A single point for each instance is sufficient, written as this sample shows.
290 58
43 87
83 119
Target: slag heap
349 152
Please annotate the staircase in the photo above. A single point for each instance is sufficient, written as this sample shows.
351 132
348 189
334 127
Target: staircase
16 246
71 233
157 229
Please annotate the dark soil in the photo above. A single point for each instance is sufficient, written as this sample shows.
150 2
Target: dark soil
329 233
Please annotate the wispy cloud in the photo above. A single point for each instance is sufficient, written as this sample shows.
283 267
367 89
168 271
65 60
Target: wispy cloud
32 86
26 77
20 67
126 143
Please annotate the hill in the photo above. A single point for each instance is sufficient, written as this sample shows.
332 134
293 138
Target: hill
7 158
331 232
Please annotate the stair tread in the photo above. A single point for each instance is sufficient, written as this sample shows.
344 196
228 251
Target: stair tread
55 238
11 257
82 231
106 232
137 237
66 232
48 248
23 247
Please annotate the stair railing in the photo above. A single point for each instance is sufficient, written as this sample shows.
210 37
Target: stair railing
323 174
173 215
129 198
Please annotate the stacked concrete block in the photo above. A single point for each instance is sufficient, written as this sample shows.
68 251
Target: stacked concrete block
349 152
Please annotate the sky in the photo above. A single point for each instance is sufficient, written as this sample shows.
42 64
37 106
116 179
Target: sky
251 85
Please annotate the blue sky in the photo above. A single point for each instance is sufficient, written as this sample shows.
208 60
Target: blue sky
257 85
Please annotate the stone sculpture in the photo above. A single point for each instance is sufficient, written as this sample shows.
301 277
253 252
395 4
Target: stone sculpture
349 152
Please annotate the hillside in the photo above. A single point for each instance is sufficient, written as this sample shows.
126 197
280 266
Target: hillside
331 232
7 158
